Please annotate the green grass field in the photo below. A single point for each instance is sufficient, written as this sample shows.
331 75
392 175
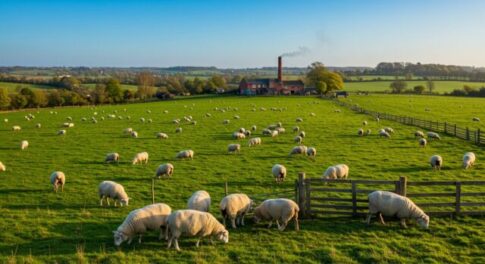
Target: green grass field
11 87
383 86
41 226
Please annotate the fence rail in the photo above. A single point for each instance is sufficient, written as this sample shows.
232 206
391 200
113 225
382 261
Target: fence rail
474 136
322 197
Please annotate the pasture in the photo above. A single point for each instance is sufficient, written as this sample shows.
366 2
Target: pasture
39 225
383 86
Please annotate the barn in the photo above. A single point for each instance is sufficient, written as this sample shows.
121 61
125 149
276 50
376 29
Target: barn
270 86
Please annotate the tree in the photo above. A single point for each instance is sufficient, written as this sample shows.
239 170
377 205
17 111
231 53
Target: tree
430 86
113 89
321 87
128 95
4 98
54 98
419 89
19 101
146 83
398 86
38 99
69 83
467 88
100 95
318 74
219 81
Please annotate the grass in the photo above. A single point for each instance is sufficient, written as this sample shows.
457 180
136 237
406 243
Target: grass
383 86
11 87
39 225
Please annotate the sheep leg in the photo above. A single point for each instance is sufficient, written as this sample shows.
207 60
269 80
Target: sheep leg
277 224
403 223
369 215
297 224
242 219
139 239
62 188
282 226
198 242
169 243
381 219
233 222
270 224
176 242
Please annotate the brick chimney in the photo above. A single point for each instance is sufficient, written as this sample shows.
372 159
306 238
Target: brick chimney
280 65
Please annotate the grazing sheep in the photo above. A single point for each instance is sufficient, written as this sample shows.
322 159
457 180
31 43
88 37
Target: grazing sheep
419 134
340 171
389 130
279 124
423 142
302 134
378 119
61 132
254 127
164 170
235 207
2 167
266 132
298 139
280 130
194 223
134 134
436 162
272 127
360 132
176 121
312 114
113 190
5 120
242 130
142 119
238 135
208 115
162 135
38 125
254 141
200 200
296 128
367 132
16 128
178 130
279 210
184 154
468 160
247 133
112 157
236 117
337 110
299 119
383 133
476 119
234 148
279 172
391 204
24 144
433 135
226 121
298 150
311 152
58 179
69 118
149 120
274 133
139 221
193 122
140 158
364 123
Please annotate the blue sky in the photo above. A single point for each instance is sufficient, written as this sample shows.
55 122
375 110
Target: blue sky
240 34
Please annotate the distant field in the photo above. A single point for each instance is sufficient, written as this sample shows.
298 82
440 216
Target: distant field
383 77
455 110
383 86
12 86
40 226
123 86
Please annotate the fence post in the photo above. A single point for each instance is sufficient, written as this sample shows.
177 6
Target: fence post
301 193
226 189
467 134
153 190
446 128
455 130
308 200
478 136
354 199
458 198
403 181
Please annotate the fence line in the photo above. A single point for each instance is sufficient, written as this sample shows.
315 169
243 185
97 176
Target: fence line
475 136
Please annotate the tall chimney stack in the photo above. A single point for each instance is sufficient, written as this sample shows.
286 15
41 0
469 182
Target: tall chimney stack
280 69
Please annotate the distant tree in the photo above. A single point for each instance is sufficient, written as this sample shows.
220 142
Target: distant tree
430 86
38 99
113 89
99 94
409 76
321 87
128 95
236 79
146 83
18 101
318 73
69 83
55 98
467 88
4 98
210 87
219 81
419 89
398 86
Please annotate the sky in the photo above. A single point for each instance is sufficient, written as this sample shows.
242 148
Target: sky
240 34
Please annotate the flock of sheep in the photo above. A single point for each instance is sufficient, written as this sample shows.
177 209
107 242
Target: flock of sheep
196 219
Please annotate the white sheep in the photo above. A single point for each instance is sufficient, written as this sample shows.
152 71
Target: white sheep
266 132
38 125
61 132
176 121
364 123
368 132
468 160
298 150
298 139
274 133
340 171
134 134
236 117
296 128
140 158
2 167
247 133
302 134
423 142
436 161
279 172
360 132
200 200
142 119
238 135
242 130
112 157
162 135
299 119
24 144
226 121
311 152
139 221
389 130
184 154
419 134
58 179
128 130
234 207
113 190
178 130
279 210
254 141
384 133
476 119
233 148
194 223
5 120
281 130
391 204
16 128
433 135
164 170
254 127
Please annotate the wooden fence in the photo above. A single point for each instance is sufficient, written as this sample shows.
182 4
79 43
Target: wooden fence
474 136
322 198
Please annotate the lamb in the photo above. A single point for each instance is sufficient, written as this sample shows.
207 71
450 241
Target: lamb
234 148
279 172
391 204
282 210
112 157
389 130
298 139
58 179
274 133
208 114
235 207
364 123
139 221
24 144
38 125
2 167
178 130
238 135
423 142
299 119
200 200
194 223
476 119
134 134
433 135
302 134
162 135
113 190
16 128
5 120
298 150
360 132
61 132
142 119
436 162
296 128
164 170
378 119
254 141
140 158
384 133
419 134
468 160
340 171
128 130
185 154
280 130
311 152
254 127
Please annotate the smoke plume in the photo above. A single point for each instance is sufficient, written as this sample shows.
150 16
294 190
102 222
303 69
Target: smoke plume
300 52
